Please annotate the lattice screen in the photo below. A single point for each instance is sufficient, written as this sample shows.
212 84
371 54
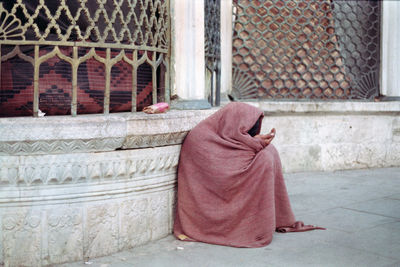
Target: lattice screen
82 56
315 49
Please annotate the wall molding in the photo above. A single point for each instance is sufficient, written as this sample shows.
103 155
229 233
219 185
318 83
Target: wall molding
61 169
155 140
59 146
93 133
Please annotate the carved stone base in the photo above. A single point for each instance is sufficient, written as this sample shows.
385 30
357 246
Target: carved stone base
63 208
74 188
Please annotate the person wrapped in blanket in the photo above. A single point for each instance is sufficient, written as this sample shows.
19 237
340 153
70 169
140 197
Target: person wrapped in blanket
231 190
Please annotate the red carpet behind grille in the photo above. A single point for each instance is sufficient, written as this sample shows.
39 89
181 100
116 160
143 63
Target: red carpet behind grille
55 85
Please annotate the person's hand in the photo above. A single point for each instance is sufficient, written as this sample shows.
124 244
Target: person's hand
267 138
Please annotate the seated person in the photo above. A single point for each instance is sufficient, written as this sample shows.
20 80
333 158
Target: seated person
230 185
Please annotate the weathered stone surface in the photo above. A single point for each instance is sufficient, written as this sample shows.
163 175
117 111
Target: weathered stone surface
135 221
1 239
396 130
191 104
300 157
101 229
154 140
342 107
311 136
59 146
62 127
87 167
65 235
159 215
93 133
353 156
84 205
22 237
392 154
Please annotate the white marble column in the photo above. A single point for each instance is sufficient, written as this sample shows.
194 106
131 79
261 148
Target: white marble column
390 76
226 47
188 57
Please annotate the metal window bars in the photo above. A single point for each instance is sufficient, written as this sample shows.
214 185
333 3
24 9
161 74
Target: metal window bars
110 32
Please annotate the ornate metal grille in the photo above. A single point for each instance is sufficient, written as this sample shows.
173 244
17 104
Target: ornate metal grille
315 49
120 45
212 9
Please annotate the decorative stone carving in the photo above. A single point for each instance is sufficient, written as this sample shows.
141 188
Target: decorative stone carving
84 196
101 231
76 146
64 135
59 146
22 237
37 236
140 141
135 219
75 168
159 215
65 235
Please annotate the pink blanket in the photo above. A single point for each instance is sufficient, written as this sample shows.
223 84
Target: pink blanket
230 185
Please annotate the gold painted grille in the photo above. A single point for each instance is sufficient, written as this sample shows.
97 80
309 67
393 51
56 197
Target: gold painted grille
128 32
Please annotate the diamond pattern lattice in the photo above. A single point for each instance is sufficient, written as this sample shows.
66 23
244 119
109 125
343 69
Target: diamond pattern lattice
315 49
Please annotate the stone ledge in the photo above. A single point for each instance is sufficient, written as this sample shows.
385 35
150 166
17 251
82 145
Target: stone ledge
320 107
95 133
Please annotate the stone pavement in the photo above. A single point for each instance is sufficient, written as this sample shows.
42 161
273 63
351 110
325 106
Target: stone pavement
359 208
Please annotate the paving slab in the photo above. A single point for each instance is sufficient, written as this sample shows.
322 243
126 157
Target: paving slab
384 206
333 255
346 220
382 240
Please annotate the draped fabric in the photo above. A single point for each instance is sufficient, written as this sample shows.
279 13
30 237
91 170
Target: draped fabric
230 185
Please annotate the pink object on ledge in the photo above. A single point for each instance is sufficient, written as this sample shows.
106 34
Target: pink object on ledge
156 108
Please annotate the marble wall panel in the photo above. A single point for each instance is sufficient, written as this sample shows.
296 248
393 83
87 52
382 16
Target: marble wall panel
396 130
134 221
65 235
316 129
22 237
353 156
1 239
392 158
297 158
159 215
101 230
